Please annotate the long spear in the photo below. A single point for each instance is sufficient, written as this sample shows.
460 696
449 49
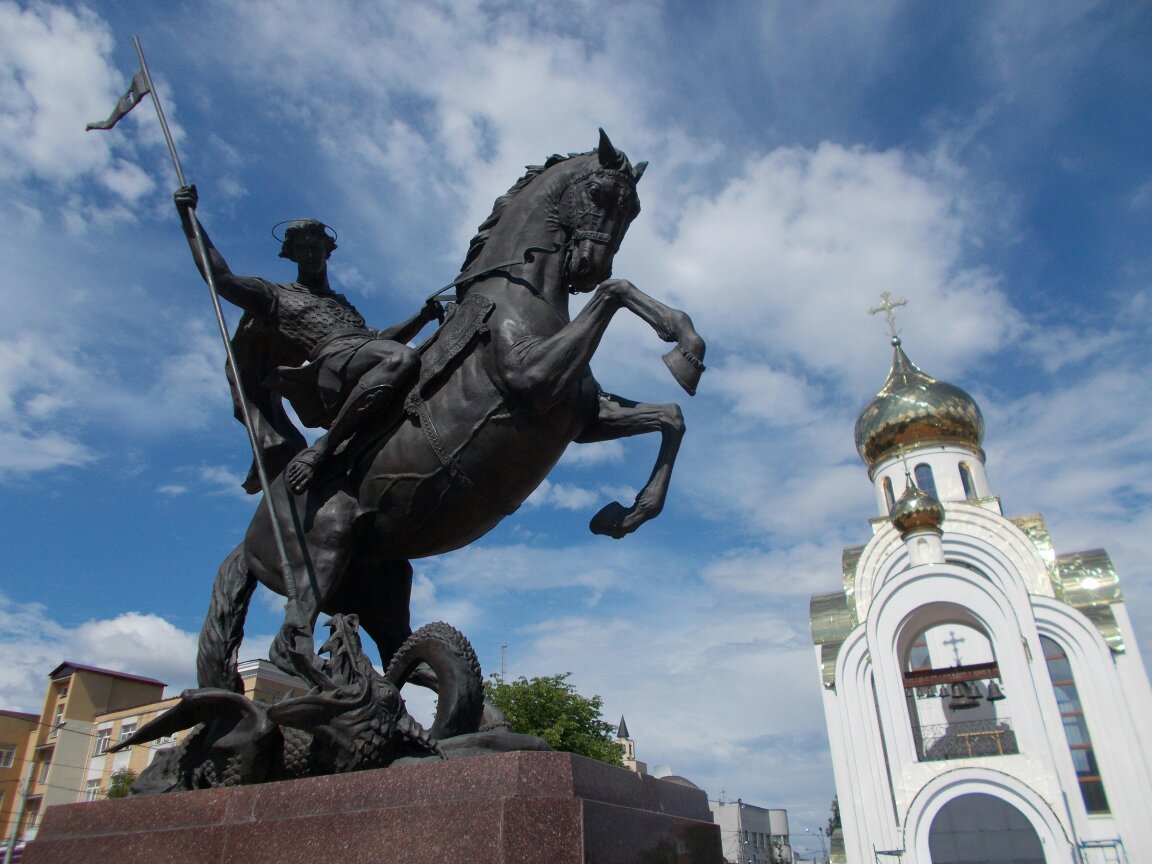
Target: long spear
141 85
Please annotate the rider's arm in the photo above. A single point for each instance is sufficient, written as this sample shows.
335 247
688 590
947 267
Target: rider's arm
406 331
250 294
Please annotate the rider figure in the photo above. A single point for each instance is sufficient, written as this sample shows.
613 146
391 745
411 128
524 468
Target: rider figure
336 372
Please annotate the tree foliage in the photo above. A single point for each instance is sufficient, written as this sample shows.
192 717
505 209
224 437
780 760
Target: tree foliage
120 783
834 819
551 708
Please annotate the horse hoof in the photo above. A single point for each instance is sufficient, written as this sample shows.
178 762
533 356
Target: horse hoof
685 367
609 522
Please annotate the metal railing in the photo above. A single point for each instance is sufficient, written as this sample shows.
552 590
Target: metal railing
967 740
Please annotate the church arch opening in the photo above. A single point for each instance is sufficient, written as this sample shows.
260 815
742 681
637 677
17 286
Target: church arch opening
952 687
978 828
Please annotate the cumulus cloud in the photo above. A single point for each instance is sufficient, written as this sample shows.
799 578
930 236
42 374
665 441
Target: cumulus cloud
56 71
137 643
561 496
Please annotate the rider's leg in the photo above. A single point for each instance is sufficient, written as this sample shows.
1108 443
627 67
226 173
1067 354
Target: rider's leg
382 370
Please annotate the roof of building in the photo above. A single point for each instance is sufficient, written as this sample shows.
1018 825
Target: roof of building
679 781
68 667
20 715
912 409
622 729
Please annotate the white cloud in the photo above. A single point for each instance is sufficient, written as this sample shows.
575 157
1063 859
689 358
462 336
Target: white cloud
597 453
785 260
139 644
561 496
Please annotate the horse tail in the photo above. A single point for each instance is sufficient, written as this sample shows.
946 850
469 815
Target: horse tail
223 630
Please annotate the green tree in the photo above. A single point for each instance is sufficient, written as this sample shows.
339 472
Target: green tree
834 819
552 709
120 783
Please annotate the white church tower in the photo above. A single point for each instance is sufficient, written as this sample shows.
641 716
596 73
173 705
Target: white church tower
985 696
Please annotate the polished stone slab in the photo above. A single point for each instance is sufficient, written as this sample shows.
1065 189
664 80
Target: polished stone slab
512 808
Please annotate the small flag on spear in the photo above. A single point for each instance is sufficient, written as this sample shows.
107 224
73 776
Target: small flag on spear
141 85
127 102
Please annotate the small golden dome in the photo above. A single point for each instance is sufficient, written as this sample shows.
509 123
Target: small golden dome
913 408
917 511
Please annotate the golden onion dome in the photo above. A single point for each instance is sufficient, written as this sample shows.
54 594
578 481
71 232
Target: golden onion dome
916 510
913 409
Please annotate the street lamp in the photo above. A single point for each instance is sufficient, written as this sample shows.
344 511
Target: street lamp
823 846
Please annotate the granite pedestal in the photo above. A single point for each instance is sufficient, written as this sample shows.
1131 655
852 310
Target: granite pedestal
512 808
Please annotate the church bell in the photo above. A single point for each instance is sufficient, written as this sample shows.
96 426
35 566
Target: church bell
964 696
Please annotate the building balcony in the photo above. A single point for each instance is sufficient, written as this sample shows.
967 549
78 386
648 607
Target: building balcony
966 740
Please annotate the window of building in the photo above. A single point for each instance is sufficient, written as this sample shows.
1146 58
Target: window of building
7 756
31 815
45 766
57 721
127 729
966 481
1075 729
103 739
64 690
925 480
889 498
92 790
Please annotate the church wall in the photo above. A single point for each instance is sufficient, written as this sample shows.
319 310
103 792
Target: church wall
858 753
968 780
905 606
1114 729
944 460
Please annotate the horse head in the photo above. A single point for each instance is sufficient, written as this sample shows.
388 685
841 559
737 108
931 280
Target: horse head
580 205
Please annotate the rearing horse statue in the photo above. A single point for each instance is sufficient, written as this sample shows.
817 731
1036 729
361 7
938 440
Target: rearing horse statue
505 387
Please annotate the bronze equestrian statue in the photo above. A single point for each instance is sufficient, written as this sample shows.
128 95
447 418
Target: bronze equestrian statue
501 389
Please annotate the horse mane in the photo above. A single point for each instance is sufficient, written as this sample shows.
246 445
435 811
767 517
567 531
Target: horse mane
476 245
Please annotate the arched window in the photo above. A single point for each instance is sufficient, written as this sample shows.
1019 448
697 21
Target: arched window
889 498
966 481
925 480
1075 729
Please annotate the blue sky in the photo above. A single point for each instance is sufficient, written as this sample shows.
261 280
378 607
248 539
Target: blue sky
988 161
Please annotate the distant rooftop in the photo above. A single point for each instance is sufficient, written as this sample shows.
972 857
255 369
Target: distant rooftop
19 715
68 667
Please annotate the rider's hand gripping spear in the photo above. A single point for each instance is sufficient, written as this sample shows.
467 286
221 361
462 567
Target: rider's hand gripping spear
141 85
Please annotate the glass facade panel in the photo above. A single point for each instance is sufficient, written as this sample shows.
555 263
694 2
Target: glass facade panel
1075 729
1075 732
1068 699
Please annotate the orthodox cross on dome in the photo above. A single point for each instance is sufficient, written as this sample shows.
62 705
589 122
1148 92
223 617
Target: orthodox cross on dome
886 307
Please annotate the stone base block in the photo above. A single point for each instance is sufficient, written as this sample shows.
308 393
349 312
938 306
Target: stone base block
513 808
